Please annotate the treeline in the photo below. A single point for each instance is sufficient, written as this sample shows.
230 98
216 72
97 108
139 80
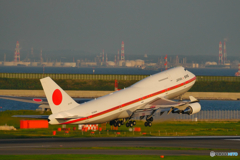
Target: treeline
106 85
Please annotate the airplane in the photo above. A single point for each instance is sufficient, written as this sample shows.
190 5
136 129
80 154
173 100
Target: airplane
144 99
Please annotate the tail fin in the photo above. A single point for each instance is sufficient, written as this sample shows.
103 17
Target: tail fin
57 98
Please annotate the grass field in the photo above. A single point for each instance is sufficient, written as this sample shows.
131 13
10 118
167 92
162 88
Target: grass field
167 128
104 157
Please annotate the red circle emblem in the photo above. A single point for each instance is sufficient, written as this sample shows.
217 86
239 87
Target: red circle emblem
57 97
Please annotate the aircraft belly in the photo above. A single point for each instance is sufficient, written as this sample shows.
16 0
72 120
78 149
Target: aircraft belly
111 116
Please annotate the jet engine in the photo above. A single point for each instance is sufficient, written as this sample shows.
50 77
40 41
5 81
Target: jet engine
192 108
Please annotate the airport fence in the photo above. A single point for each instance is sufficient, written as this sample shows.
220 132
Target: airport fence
212 115
105 77
73 76
202 115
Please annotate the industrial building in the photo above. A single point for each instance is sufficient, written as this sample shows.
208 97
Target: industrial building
105 60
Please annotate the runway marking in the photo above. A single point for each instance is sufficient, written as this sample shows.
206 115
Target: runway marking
193 137
25 146
233 139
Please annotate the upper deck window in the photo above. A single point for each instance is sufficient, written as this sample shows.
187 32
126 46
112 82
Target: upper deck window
162 79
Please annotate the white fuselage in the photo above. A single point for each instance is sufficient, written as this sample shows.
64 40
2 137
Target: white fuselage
121 104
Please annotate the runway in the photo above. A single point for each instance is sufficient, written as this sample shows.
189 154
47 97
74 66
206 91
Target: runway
64 145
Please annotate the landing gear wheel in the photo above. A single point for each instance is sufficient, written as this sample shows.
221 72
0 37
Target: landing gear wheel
150 119
111 123
130 124
146 124
147 118
134 123
122 123
115 124
119 124
149 124
127 124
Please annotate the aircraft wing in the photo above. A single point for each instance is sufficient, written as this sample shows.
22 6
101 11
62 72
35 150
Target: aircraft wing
162 105
37 100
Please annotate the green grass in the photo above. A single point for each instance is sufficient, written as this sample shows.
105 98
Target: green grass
66 84
215 86
104 157
167 128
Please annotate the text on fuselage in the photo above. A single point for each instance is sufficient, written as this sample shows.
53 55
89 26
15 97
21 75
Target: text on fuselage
179 79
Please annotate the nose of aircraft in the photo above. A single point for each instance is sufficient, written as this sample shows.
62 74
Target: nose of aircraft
191 75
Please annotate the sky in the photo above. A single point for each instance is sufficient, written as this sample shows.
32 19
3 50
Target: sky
154 27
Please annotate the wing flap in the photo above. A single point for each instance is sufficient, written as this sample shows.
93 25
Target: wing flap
163 105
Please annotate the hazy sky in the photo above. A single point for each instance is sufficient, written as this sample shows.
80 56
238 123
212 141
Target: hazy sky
150 26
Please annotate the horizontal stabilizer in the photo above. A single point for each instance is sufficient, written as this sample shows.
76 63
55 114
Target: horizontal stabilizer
26 99
32 116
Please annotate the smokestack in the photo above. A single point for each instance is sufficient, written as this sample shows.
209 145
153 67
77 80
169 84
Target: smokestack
224 53
122 51
103 56
118 56
17 52
220 53
165 62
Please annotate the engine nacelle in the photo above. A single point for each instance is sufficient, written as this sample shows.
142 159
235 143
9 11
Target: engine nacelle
192 108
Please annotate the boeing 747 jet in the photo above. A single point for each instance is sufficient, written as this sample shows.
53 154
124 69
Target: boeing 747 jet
143 99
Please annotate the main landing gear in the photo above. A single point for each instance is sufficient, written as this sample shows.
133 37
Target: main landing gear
148 124
130 123
117 123
149 120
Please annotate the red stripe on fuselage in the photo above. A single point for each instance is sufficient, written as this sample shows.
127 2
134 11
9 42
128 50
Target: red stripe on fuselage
131 102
